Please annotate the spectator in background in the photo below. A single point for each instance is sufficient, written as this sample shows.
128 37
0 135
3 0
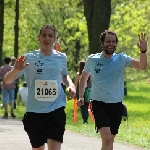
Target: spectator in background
7 89
57 44
57 47
23 94
84 108
13 60
148 81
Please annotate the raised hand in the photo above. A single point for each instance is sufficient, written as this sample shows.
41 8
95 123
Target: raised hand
142 42
20 63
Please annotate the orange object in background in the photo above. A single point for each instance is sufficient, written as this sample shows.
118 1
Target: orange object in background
75 111
57 46
90 113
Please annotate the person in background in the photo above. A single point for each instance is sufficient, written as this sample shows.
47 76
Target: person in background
7 89
148 81
57 47
84 108
107 73
13 60
23 94
44 69
57 44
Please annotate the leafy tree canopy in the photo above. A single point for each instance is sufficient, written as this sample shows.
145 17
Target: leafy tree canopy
128 18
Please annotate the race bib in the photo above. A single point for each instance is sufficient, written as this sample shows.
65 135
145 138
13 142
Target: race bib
46 90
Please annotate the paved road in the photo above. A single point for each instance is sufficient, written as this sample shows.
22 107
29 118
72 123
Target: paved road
13 137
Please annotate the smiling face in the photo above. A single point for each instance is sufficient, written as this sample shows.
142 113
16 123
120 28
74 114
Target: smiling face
46 38
109 44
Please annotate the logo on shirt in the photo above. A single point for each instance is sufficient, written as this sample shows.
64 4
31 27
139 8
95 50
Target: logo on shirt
45 83
39 63
97 67
39 71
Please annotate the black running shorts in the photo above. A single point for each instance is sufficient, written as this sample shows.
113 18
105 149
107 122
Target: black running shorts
43 126
107 115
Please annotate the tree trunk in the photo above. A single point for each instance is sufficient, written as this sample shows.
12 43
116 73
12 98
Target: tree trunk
97 13
1 29
16 30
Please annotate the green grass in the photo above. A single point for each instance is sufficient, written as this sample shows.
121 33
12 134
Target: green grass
137 132
19 112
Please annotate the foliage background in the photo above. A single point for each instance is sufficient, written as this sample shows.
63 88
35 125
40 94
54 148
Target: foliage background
128 18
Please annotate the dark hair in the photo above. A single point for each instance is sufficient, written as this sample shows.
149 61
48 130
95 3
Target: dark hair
7 60
24 84
47 26
81 66
103 35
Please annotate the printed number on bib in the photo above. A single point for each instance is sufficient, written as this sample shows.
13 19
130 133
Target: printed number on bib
46 90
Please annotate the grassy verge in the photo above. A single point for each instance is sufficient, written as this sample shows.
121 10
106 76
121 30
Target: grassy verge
136 132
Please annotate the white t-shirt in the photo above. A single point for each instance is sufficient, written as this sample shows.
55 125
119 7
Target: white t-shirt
23 91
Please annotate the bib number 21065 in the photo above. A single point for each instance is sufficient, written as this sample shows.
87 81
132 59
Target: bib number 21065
46 90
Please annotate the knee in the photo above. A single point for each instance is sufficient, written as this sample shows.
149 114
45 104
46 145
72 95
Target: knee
108 140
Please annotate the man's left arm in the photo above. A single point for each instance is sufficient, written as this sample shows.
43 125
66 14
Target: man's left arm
142 45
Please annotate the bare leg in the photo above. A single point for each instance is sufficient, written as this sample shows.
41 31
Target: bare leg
107 138
40 148
53 144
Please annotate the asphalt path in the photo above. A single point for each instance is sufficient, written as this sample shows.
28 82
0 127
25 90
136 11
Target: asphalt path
13 137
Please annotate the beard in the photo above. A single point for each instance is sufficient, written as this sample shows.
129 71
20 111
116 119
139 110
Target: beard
108 51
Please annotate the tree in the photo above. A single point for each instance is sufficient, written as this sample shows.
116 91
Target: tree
72 26
1 28
70 23
16 30
128 21
97 13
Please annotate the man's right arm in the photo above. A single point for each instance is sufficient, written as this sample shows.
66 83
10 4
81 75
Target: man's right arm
83 84
11 76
